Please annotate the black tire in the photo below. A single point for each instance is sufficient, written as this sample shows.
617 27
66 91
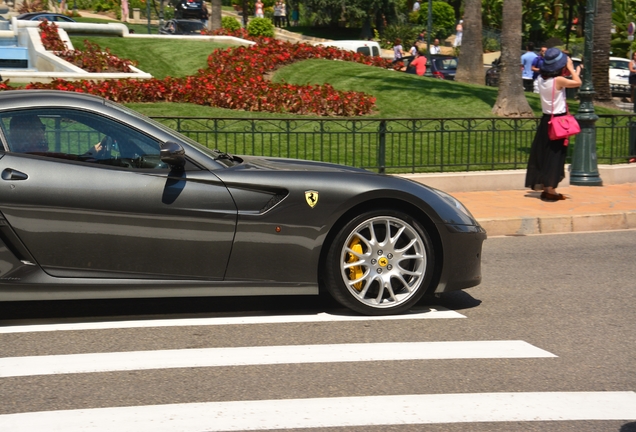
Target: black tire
375 274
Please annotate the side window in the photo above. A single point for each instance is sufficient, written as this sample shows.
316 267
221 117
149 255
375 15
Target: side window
79 136
364 50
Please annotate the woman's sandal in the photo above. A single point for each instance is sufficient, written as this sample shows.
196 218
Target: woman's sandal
545 196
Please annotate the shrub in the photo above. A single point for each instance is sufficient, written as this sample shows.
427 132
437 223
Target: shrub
260 27
230 23
443 17
405 32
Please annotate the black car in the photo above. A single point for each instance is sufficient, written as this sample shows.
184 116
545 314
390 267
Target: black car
443 66
182 27
99 201
41 16
440 66
492 74
188 9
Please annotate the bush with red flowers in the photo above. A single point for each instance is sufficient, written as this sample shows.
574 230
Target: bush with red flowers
234 80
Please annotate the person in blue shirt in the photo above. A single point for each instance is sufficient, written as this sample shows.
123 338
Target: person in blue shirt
526 63
536 67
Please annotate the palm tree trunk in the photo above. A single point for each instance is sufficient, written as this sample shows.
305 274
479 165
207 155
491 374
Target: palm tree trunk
510 99
215 15
601 50
470 66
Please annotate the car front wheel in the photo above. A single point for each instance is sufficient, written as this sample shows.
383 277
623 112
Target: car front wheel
380 263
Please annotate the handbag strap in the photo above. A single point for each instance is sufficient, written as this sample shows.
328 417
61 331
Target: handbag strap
567 110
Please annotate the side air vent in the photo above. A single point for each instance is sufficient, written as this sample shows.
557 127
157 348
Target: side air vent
275 199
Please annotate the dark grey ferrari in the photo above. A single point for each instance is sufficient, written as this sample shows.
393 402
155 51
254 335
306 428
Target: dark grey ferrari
98 201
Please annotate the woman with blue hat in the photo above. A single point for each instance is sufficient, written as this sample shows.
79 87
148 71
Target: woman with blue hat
547 157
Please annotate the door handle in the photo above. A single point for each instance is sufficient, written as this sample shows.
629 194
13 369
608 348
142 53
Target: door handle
11 174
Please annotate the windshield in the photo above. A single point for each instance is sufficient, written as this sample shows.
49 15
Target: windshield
190 26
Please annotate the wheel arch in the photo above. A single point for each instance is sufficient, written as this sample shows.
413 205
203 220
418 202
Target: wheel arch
394 204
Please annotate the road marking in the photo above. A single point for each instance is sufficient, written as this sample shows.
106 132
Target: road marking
435 312
264 355
334 412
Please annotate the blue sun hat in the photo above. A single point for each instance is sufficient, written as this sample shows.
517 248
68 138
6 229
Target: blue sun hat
554 60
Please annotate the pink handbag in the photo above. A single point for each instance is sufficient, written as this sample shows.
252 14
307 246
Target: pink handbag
562 126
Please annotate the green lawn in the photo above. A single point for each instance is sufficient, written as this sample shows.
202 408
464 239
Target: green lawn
398 95
159 57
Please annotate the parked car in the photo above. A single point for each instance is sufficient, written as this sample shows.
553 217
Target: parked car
370 48
41 16
188 9
99 201
441 66
619 76
182 27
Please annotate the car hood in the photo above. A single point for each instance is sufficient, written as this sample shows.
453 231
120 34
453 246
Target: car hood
280 164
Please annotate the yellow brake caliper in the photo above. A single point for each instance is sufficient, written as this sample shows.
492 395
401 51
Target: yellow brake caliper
355 272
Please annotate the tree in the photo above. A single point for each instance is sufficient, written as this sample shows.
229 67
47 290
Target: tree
215 15
601 50
470 65
510 99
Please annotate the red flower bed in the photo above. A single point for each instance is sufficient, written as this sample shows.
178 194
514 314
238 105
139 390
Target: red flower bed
234 79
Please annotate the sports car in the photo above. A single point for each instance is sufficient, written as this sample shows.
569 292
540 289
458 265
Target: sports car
98 201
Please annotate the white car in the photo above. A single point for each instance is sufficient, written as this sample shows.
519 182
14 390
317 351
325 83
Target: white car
365 47
619 75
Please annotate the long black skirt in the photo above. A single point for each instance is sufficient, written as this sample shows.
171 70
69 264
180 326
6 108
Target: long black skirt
546 166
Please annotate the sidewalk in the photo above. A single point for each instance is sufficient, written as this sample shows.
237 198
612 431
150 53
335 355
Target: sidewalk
521 212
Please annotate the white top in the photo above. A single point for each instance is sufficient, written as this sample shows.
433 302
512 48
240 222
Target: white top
435 49
548 106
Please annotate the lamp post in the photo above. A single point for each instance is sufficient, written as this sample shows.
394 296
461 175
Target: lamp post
148 14
584 164
429 29
74 7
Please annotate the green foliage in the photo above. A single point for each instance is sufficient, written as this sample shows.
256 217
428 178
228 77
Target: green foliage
442 16
230 23
490 44
405 32
260 27
622 14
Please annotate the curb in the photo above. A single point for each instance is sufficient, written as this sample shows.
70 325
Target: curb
559 224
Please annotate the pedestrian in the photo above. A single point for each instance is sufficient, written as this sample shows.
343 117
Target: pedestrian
295 16
205 15
547 157
435 48
526 63
258 9
277 11
536 67
416 6
418 65
284 20
413 50
632 77
398 52
459 31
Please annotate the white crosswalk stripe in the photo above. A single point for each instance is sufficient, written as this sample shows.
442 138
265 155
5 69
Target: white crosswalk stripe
249 356
436 312
342 412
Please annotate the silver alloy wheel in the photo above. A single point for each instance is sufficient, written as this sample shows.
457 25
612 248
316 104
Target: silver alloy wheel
383 262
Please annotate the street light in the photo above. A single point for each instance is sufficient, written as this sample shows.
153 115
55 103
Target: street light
584 164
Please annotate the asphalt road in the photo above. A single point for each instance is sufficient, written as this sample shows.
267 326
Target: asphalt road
568 300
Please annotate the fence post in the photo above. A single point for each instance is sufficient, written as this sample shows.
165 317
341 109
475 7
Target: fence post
382 147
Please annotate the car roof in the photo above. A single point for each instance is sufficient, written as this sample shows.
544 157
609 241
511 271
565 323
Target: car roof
28 98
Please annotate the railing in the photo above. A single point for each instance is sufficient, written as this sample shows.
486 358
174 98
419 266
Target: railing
398 145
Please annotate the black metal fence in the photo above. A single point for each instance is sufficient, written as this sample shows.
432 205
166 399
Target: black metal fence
398 145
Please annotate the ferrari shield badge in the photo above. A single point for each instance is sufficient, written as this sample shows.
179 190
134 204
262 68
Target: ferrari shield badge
312 198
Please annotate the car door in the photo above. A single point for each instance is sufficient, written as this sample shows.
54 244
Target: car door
96 201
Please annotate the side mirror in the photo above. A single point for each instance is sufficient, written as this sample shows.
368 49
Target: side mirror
173 154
